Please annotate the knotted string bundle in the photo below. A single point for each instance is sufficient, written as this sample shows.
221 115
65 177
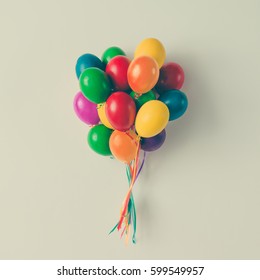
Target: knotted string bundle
128 105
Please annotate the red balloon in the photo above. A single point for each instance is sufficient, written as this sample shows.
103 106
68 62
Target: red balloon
171 77
117 70
120 110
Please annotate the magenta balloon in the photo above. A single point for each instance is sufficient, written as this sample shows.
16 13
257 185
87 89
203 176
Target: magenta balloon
85 109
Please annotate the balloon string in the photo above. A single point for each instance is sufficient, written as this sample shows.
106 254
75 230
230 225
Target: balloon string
129 177
132 210
131 207
141 166
123 231
130 217
126 200
127 233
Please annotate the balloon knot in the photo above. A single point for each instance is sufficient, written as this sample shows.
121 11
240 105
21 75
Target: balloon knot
100 105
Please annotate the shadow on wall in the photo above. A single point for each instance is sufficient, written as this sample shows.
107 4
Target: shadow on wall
198 122
200 117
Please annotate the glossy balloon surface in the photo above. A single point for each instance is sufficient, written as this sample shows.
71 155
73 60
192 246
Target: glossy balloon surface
171 77
86 61
85 109
143 74
152 47
117 71
120 110
176 101
140 100
98 139
110 53
102 115
123 145
95 85
153 143
152 118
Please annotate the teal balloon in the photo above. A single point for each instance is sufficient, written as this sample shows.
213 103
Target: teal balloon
95 85
176 101
98 139
145 97
88 60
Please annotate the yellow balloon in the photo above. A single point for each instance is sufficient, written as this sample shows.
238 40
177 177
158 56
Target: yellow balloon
152 118
102 115
151 47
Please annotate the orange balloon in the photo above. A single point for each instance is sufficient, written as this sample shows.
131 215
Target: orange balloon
123 145
143 74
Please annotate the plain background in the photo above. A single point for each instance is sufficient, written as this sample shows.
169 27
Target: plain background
197 197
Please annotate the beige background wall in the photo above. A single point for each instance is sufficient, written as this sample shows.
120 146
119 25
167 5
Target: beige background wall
198 197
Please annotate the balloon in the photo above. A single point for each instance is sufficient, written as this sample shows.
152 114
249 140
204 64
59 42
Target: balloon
110 53
117 71
151 47
88 60
123 145
141 99
171 77
102 115
176 101
98 139
85 109
95 85
142 74
153 143
151 119
120 110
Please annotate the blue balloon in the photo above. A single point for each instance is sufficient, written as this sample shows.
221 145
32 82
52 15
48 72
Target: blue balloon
176 101
88 60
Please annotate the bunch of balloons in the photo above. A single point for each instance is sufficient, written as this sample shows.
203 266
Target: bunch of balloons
128 104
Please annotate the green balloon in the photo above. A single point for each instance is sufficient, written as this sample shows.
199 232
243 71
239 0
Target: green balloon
140 100
95 85
110 53
98 139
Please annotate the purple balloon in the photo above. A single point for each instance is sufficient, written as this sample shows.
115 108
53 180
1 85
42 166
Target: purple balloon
85 109
153 143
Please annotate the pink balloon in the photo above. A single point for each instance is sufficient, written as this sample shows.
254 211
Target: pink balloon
85 109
